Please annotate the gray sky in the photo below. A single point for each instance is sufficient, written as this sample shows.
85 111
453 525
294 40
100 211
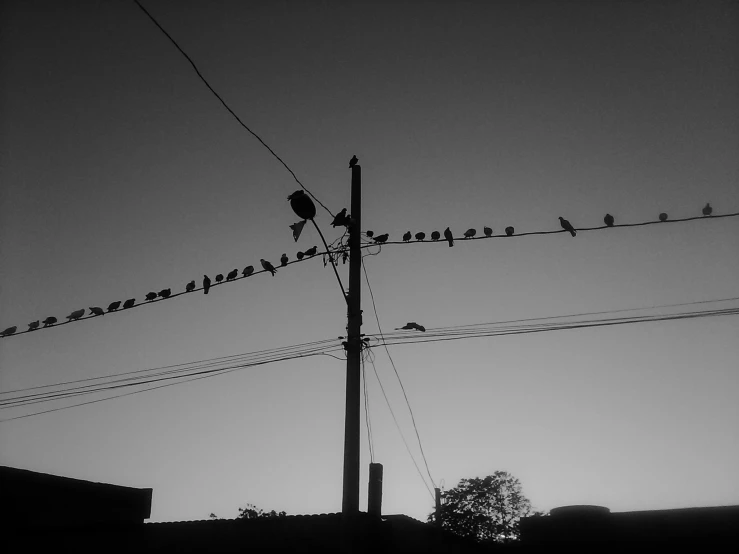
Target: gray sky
121 174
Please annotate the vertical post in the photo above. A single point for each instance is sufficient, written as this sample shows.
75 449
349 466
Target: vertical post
350 501
437 519
374 492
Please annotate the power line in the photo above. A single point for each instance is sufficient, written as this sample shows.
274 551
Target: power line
413 419
202 78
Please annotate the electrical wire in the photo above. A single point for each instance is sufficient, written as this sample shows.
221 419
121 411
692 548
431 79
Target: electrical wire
202 78
413 419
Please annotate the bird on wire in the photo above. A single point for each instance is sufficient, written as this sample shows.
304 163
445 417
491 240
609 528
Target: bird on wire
407 236
379 239
567 226
232 275
283 260
420 236
150 296
189 287
469 233
97 311
340 219
49 321
353 162
113 306
488 231
608 220
412 325
130 302
311 251
300 255
707 209
663 216
248 270
206 284
509 231
448 236
268 267
436 235
9 331
33 325
370 234
75 315
302 205
219 277
165 293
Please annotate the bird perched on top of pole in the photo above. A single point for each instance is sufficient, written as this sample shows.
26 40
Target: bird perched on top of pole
354 161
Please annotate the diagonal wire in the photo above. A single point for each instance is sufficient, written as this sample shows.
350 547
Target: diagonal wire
192 63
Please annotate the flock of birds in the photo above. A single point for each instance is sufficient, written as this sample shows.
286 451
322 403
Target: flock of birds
341 219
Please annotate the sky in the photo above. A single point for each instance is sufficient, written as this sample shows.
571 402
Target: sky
122 174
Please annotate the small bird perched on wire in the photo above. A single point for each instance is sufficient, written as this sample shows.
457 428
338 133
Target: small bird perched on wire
131 301
412 325
370 234
49 321
567 226
608 220
407 236
340 219
75 315
311 251
663 216
232 275
33 325
189 287
420 236
219 277
353 161
448 236
113 306
509 231
283 260
9 331
248 270
469 233
206 284
268 267
707 209
300 255
488 231
150 296
97 311
379 239
165 293
436 235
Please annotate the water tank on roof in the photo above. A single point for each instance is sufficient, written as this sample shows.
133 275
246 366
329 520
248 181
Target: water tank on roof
579 511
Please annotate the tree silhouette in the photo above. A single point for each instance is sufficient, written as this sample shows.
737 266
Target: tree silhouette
487 509
252 512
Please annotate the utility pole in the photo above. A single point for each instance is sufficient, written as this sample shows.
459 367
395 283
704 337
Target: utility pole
350 502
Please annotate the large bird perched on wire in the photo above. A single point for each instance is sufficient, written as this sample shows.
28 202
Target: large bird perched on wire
248 270
469 233
165 293
567 226
379 239
51 320
75 315
206 284
311 251
95 310
150 296
232 275
268 267
113 306
448 236
9 331
340 219
131 301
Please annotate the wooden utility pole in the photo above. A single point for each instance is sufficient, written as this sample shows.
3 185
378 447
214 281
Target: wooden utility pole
350 501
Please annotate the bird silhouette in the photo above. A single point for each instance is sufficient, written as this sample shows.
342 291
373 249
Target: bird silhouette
608 220
97 311
75 315
268 267
248 270
436 235
311 251
232 275
130 302
370 234
302 205
150 296
488 231
509 231
33 325
49 321
448 237
420 236
9 331
567 226
353 161
379 239
283 260
113 306
469 233
165 293
189 287
407 236
413 325
300 255
206 284
340 219
663 216
219 277
707 209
